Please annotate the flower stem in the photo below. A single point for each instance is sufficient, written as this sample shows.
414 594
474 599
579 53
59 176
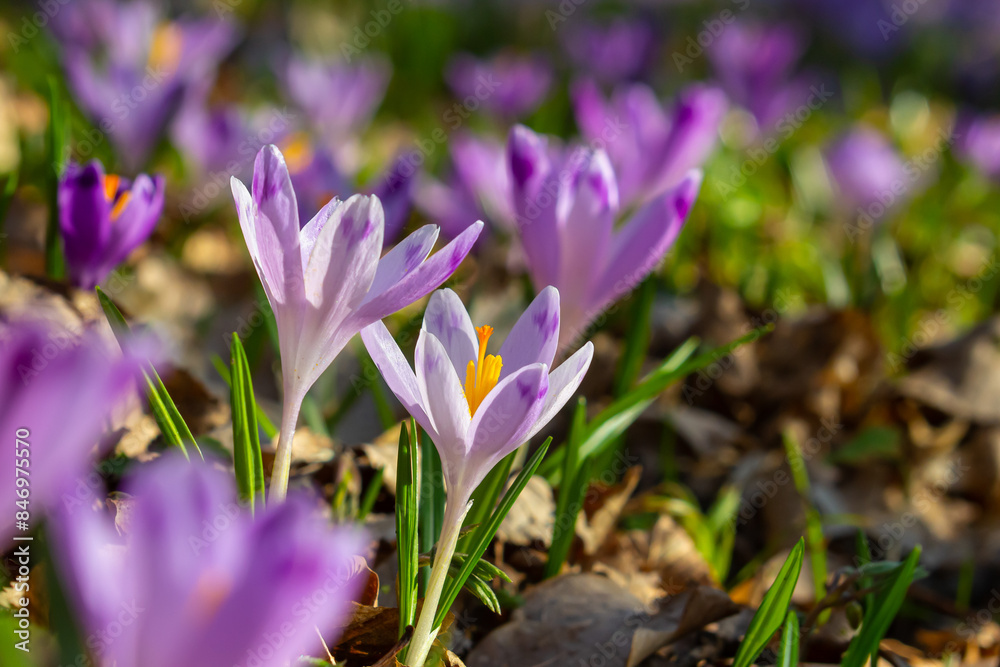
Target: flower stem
423 636
283 457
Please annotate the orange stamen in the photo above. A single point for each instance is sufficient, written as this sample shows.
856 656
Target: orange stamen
481 374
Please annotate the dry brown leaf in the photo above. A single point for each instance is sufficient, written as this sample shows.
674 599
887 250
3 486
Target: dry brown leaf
531 518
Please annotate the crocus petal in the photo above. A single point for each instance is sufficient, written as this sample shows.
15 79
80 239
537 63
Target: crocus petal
84 221
505 417
693 135
535 337
396 372
643 241
441 391
138 218
531 173
276 224
563 383
419 282
403 258
310 231
448 320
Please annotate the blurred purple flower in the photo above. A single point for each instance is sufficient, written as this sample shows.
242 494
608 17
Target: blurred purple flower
566 217
651 149
102 218
611 52
130 69
507 85
325 281
867 171
755 63
339 100
55 392
476 408
477 189
198 581
977 142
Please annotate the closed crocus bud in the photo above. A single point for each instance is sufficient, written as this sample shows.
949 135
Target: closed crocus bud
508 85
103 217
868 173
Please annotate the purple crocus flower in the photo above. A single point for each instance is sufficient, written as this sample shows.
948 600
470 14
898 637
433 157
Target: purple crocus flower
610 52
977 141
479 187
754 63
325 281
197 580
507 85
566 217
650 148
131 72
868 173
103 217
339 100
477 408
55 391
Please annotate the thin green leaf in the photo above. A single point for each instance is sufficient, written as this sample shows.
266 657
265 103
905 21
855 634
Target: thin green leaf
371 493
432 497
865 581
481 589
576 477
814 523
247 458
406 527
637 338
485 497
877 619
788 653
773 609
262 419
484 534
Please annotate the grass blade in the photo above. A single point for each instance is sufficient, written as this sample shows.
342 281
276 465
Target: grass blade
484 534
576 477
485 497
262 419
773 609
371 493
788 653
247 458
815 540
406 527
431 505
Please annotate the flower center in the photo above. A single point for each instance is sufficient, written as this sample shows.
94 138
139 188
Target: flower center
481 375
298 153
166 47
111 184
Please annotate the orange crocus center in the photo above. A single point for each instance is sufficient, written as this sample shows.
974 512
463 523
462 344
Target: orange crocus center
166 47
111 183
298 153
481 374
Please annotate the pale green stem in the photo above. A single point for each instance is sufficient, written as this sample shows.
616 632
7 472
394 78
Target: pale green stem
424 635
283 456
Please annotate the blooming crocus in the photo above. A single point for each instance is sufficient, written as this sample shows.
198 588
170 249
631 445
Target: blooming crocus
977 141
507 84
324 279
868 173
478 187
130 68
55 391
566 215
610 52
476 407
104 217
339 100
754 64
651 149
196 580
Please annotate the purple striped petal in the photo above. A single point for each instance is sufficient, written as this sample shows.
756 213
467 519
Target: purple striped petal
449 321
84 222
138 218
419 282
693 135
441 391
535 337
563 383
403 258
311 230
534 189
396 372
505 417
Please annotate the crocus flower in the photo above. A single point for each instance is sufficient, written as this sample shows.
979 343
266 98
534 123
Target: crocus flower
103 217
868 173
131 72
478 188
197 580
566 219
55 391
754 63
507 85
476 407
977 141
610 52
324 279
339 99
651 149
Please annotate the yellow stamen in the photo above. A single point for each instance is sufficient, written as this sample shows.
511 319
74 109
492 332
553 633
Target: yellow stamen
482 374
165 51
298 153
111 186
120 205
